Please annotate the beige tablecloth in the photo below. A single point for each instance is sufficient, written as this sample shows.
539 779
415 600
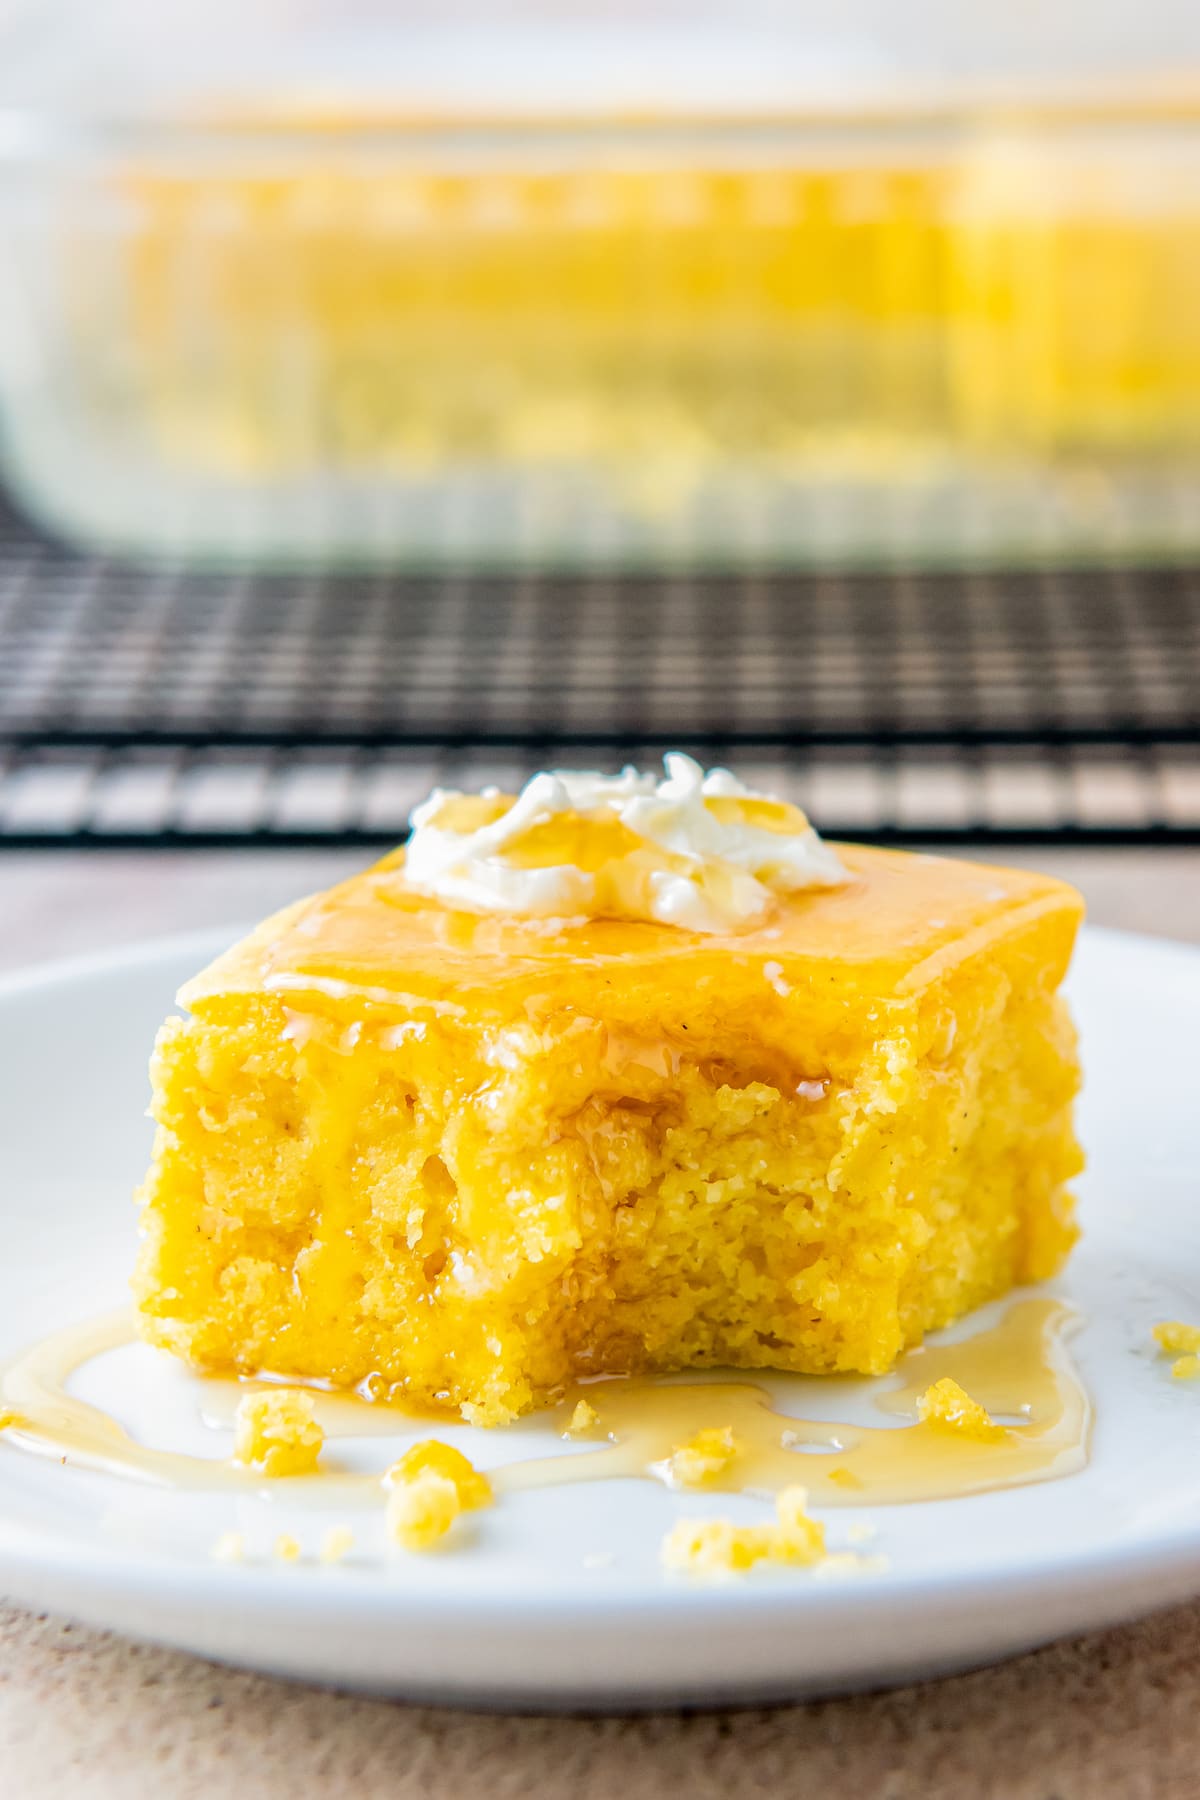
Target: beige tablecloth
84 1714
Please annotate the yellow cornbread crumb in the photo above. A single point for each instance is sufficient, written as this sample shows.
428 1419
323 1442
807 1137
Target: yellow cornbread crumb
947 1407
1182 1342
719 1547
708 1453
337 1542
798 1538
275 1431
287 1549
422 1510
582 1419
844 1478
1176 1338
230 1547
432 1456
715 1546
430 1485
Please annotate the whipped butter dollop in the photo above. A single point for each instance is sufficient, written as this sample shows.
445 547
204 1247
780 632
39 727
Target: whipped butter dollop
699 851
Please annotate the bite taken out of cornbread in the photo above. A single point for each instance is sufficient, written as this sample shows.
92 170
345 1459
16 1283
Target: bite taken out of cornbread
623 1075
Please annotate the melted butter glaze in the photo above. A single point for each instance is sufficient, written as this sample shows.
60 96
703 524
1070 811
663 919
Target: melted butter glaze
1020 1370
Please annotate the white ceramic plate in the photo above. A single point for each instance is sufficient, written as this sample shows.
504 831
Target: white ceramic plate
559 1601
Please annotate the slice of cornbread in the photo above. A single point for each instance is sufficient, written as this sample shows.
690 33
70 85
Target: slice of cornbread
471 1157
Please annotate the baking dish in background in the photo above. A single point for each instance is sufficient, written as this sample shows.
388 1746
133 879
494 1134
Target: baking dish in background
434 285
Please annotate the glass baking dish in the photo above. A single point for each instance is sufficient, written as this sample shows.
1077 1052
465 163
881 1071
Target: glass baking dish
419 285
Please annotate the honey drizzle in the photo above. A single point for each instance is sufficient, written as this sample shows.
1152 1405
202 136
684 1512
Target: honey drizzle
39 1414
1019 1370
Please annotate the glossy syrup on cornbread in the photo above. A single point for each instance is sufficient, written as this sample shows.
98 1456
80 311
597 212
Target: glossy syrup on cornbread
471 1156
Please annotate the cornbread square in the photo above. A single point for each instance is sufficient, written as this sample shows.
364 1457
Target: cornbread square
467 1158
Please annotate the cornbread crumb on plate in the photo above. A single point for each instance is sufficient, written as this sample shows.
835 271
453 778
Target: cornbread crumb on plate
1182 1342
481 1155
337 1543
718 1547
287 1548
708 1453
429 1487
582 1419
947 1407
421 1511
1176 1338
230 1547
275 1430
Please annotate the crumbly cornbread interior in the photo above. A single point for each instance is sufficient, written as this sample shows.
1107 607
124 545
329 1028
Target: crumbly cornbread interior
471 1158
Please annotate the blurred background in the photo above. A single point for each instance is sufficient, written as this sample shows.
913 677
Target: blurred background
437 390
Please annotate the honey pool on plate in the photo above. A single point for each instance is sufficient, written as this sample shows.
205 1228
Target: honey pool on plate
1019 1369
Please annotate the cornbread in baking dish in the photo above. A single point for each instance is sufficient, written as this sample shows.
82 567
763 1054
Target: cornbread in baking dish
466 1156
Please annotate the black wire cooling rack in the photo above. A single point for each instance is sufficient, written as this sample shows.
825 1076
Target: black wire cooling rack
153 706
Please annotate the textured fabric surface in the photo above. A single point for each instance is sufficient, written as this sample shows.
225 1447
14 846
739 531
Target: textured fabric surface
89 1715
85 1715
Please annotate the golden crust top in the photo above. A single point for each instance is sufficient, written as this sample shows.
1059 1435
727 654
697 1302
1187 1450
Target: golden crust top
897 925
